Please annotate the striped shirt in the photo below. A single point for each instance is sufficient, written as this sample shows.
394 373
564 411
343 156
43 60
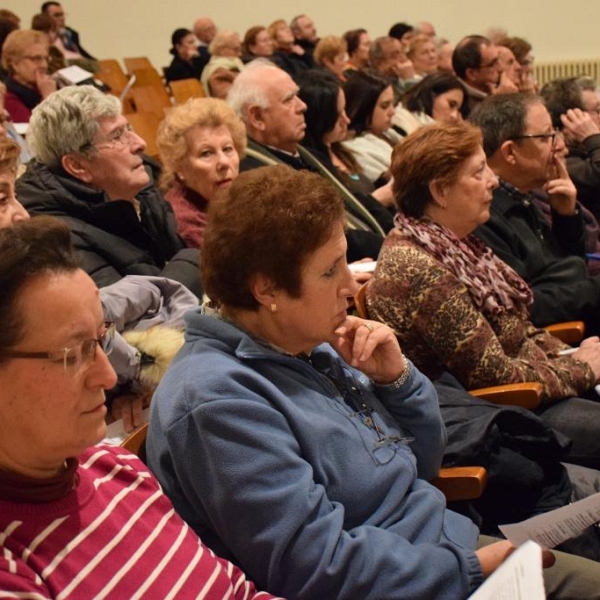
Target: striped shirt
115 535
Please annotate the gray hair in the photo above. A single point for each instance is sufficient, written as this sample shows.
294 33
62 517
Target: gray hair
502 118
67 121
248 88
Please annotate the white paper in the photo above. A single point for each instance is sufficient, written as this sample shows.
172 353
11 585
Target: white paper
363 267
74 74
552 528
115 434
519 577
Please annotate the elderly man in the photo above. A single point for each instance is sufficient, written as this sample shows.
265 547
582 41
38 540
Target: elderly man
68 39
78 520
266 99
574 107
476 62
90 171
205 30
305 32
387 57
525 152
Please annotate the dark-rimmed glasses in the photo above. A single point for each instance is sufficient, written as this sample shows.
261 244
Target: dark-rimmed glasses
532 136
76 357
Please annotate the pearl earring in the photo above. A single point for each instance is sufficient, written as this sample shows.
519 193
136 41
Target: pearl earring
273 307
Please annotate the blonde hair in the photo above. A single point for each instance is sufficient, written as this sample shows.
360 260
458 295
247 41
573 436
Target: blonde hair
328 48
17 44
200 112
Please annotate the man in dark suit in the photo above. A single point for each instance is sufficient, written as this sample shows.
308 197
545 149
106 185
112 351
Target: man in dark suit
68 36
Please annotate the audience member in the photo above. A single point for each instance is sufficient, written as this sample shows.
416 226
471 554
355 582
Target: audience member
522 50
25 59
388 58
219 74
370 107
476 61
287 54
56 59
93 518
200 144
205 30
257 431
11 210
257 43
186 63
403 32
68 39
266 99
90 171
437 97
481 331
445 50
521 147
305 32
358 45
509 64
226 43
426 28
423 55
330 53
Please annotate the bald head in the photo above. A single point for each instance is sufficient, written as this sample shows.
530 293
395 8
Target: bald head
205 29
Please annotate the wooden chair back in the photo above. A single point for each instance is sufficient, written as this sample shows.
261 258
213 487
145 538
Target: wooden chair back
184 89
137 62
111 73
145 124
149 98
136 442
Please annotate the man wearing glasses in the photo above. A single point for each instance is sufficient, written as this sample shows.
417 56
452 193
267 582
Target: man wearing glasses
527 154
476 61
68 38
90 170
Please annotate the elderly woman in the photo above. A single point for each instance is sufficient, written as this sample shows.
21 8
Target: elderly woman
330 53
11 210
25 59
219 74
200 144
186 63
423 54
294 436
437 97
454 305
257 43
73 505
370 107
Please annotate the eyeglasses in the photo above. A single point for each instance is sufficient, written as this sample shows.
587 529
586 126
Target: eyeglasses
38 59
75 358
491 65
530 136
119 138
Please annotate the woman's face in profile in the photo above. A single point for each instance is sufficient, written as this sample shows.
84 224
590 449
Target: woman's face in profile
211 162
446 107
11 210
187 48
263 44
340 129
381 118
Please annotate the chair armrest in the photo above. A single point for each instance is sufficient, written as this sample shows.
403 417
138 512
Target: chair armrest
527 394
569 332
461 483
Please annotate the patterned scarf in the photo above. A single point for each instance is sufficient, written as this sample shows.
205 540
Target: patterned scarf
493 286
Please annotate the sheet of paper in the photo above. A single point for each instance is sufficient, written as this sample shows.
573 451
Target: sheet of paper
554 527
115 434
363 267
519 577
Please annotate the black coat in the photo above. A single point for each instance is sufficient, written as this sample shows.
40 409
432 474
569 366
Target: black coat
111 239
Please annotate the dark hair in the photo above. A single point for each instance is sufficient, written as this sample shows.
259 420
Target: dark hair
519 46
560 95
250 38
352 38
362 90
467 54
29 249
319 90
433 152
9 22
42 22
400 29
176 38
420 97
47 5
502 118
269 221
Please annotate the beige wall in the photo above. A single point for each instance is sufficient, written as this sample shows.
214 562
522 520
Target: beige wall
118 28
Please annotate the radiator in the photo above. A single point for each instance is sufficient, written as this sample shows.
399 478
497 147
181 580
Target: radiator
545 72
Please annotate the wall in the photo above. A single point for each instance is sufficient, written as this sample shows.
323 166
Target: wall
118 28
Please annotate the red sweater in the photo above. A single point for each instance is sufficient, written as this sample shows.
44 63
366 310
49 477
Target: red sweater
116 535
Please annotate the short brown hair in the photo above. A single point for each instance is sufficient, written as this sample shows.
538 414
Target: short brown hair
203 112
328 48
433 152
519 46
269 221
17 44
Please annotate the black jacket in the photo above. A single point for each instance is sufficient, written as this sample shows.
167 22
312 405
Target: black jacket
182 69
111 239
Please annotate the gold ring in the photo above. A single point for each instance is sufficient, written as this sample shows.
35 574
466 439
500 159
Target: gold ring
369 327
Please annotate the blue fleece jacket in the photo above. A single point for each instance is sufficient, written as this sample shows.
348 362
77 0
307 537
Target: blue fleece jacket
275 467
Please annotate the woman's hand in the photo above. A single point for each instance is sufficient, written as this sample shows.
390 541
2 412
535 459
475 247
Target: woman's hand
129 407
492 556
589 352
46 84
371 347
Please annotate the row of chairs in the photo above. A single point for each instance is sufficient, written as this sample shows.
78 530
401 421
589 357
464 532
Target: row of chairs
146 99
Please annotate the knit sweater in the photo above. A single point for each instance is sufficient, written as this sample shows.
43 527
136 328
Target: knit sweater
114 534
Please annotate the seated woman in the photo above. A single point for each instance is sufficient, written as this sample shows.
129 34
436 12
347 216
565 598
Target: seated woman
186 63
69 510
297 438
370 107
257 43
330 53
423 54
454 305
437 97
219 74
25 59
200 144
358 45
